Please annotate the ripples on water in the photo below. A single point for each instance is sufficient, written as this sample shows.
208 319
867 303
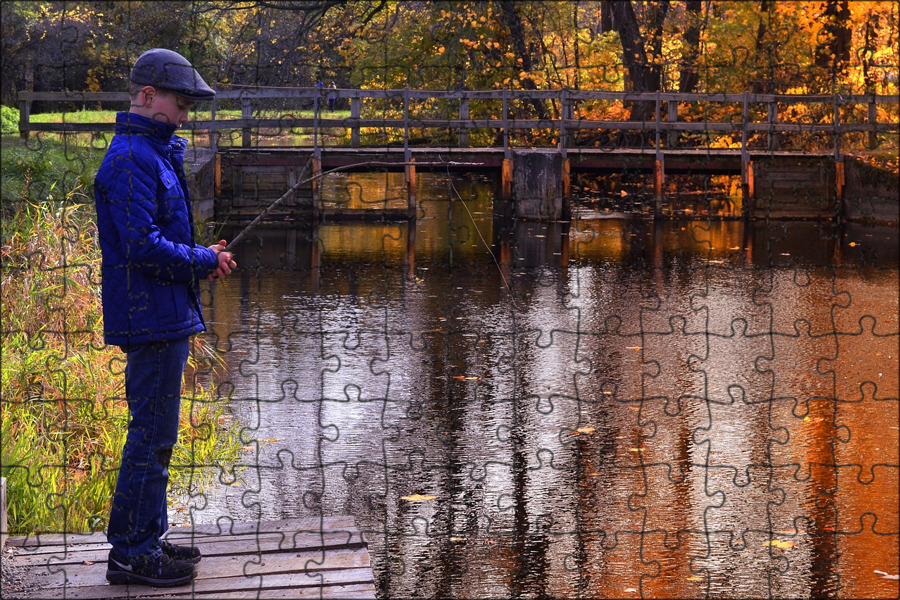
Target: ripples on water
613 409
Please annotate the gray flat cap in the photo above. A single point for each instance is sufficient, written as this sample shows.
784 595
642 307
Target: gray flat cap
169 70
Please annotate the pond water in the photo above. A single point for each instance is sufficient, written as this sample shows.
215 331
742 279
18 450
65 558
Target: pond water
615 408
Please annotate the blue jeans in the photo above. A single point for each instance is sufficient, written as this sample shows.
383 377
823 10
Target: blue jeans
153 375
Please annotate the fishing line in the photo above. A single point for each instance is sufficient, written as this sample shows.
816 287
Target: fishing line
296 186
483 241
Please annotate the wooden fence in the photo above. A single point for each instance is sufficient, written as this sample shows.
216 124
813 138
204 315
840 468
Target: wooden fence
398 113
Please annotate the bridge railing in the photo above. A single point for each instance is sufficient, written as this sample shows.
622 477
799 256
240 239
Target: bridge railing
565 116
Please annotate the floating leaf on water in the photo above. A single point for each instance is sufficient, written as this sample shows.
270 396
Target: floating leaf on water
695 578
852 244
585 430
780 544
417 498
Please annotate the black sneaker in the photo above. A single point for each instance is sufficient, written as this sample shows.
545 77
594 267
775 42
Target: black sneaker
188 554
144 570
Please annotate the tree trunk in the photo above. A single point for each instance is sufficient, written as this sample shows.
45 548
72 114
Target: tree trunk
870 41
688 77
764 83
641 74
833 50
513 22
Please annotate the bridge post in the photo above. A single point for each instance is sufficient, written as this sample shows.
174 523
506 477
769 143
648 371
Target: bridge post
872 118
748 192
773 119
538 185
214 133
659 177
672 117
246 114
463 116
411 197
658 173
839 184
506 180
355 103
747 185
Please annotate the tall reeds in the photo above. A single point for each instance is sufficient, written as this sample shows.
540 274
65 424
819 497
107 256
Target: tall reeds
64 416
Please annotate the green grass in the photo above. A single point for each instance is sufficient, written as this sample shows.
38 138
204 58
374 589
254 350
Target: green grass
64 417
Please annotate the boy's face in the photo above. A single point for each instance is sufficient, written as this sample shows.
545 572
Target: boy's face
163 105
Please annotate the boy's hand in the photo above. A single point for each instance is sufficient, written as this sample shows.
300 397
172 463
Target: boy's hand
226 263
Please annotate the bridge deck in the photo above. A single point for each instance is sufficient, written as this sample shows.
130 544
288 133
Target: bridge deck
704 160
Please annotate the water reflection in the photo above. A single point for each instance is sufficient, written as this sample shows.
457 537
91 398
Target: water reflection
614 408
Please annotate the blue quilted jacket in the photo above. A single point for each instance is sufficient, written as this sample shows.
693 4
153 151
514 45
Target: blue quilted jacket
151 265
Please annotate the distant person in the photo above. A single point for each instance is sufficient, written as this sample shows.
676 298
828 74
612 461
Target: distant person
332 96
151 266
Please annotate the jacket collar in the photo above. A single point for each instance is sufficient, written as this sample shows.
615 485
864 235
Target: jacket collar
135 124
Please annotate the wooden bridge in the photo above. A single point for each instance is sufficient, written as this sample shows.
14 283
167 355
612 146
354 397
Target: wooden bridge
764 138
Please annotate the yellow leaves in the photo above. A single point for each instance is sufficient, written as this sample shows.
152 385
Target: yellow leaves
584 430
780 544
418 498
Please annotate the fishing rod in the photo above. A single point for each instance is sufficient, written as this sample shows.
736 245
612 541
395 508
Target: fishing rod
371 163
509 291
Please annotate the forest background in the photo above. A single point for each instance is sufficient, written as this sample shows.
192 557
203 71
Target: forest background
762 46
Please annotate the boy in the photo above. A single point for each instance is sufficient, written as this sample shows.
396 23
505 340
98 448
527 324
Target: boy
150 272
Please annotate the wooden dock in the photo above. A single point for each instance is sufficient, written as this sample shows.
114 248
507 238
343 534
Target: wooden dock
295 558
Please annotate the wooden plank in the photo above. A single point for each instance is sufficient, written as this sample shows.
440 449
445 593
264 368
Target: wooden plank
45 545
325 558
333 591
313 580
227 547
93 573
44 540
212 547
